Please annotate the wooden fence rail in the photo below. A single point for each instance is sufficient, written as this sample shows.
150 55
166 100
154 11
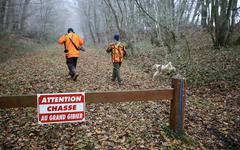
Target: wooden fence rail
177 95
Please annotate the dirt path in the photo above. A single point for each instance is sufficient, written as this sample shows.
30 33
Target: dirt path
45 71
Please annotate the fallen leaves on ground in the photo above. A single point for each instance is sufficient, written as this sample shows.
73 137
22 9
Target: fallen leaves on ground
130 125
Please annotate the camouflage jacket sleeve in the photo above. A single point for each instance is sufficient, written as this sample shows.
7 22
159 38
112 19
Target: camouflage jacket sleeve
110 47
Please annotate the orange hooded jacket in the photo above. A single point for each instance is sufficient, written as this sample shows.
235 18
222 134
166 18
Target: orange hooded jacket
72 51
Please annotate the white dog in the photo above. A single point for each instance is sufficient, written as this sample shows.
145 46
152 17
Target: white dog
162 69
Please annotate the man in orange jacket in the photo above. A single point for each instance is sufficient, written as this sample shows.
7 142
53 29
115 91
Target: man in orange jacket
117 50
72 43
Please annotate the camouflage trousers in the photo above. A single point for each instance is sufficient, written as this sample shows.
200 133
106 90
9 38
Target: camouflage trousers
116 71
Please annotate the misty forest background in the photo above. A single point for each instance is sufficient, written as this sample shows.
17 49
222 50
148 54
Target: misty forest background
200 37
160 21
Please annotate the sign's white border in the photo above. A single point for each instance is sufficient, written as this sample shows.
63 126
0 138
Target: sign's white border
38 107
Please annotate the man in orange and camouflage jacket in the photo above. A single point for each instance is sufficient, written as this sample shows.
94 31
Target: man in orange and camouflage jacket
117 50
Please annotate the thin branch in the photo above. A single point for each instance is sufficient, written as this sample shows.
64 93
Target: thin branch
121 20
141 7
153 19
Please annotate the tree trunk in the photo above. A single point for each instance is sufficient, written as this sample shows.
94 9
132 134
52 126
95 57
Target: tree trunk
10 16
195 14
204 13
96 22
2 13
189 12
234 12
90 25
24 16
222 21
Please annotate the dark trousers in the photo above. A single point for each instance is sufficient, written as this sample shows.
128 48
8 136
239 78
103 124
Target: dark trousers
72 64
116 71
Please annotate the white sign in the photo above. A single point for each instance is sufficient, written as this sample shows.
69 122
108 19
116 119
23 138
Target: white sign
61 108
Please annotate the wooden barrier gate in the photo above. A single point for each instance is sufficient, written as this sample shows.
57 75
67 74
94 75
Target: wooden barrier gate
177 95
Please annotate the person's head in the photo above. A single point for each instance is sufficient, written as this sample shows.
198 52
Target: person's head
70 30
116 37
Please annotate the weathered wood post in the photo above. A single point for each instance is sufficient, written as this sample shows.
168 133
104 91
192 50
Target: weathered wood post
178 103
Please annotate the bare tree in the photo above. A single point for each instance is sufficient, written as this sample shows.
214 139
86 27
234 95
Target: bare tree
24 15
205 5
10 16
3 5
220 25
196 11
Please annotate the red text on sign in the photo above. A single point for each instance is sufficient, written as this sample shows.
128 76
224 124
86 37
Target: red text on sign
62 108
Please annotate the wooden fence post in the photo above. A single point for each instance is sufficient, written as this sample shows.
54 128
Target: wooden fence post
178 103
